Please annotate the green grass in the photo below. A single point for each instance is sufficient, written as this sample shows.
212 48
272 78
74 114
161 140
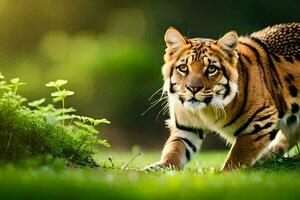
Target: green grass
202 160
201 179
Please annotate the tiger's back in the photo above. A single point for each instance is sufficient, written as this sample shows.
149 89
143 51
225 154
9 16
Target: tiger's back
282 44
281 39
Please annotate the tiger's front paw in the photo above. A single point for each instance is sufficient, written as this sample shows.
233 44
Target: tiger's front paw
160 165
155 166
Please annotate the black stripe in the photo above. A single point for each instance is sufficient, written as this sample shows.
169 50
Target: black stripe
189 143
250 119
279 100
187 154
258 58
258 128
260 67
276 58
197 54
270 63
273 134
260 137
171 72
281 114
226 85
289 78
245 93
171 87
291 120
224 71
269 59
293 91
295 108
289 59
227 88
247 58
177 139
264 117
193 57
181 99
190 129
188 41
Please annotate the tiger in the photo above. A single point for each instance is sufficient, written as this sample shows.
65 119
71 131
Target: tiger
244 88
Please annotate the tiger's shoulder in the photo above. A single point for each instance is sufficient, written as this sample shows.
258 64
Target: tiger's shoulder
281 39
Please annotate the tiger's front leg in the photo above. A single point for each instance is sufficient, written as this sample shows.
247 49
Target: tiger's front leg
248 147
178 149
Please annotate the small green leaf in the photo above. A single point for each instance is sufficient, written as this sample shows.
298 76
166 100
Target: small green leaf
86 127
69 110
57 84
37 103
63 117
47 109
50 84
61 82
87 119
3 85
77 117
56 94
56 99
1 76
66 110
99 121
63 93
16 81
103 142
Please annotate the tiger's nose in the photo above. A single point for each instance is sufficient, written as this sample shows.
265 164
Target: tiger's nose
194 88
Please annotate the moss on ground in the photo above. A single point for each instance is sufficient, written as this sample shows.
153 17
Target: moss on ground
25 134
38 131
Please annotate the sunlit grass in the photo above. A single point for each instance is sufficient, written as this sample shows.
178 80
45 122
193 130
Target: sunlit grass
201 179
202 159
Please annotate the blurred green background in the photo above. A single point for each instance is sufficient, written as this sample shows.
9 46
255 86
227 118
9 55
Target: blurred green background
111 52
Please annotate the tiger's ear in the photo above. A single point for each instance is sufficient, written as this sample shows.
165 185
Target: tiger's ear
228 42
174 40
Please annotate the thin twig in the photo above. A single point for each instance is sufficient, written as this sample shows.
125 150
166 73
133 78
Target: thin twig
298 148
111 161
78 148
8 144
126 165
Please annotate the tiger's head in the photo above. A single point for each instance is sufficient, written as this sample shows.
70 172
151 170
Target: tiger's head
200 72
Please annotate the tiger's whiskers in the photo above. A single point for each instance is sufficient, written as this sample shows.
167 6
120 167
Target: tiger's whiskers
157 101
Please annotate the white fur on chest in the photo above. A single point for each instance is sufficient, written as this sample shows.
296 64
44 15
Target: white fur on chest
196 118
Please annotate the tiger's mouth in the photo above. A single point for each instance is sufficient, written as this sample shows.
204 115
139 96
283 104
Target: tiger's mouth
194 101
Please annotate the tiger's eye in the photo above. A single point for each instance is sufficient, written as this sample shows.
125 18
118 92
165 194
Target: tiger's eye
183 68
211 69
